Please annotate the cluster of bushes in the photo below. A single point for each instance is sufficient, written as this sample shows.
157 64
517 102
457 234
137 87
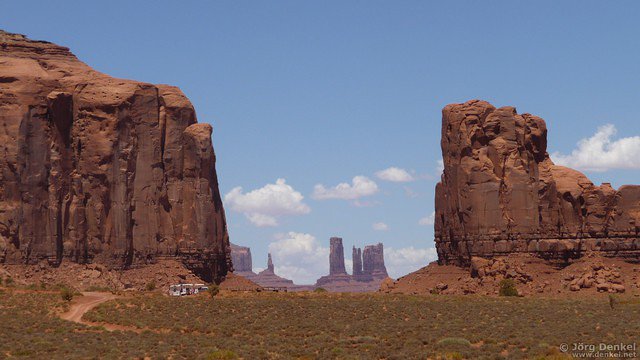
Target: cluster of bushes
67 293
508 288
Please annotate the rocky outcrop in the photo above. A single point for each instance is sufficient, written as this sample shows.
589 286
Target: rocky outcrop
500 193
157 276
529 273
602 278
373 262
95 169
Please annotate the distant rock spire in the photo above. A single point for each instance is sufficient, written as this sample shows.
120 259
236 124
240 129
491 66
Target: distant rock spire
336 256
373 261
357 261
270 263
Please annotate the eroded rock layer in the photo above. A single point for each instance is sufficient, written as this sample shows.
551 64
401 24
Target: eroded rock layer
500 193
98 169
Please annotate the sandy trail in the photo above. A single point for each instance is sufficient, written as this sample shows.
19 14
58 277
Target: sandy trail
88 301
83 304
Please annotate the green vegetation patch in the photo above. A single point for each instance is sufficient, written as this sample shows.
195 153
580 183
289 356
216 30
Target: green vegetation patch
314 326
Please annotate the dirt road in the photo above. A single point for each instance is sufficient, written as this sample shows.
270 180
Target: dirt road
82 304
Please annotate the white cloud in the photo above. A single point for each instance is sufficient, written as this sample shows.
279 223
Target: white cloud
601 153
380 226
395 174
402 261
428 220
299 257
360 186
263 206
261 220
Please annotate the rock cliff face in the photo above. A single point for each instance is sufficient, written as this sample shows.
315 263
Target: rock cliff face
98 169
500 193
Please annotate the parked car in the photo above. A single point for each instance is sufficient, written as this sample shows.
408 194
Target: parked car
186 289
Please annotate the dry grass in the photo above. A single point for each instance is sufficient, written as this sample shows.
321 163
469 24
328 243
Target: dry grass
317 325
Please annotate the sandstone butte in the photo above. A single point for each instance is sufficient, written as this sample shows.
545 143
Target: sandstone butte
95 169
501 194
504 210
369 269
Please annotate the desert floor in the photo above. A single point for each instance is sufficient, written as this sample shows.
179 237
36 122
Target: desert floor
308 325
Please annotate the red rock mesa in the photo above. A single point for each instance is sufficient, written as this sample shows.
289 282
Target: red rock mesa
500 193
105 170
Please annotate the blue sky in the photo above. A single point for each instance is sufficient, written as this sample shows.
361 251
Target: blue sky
322 92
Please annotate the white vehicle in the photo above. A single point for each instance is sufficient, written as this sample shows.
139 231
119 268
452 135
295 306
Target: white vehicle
197 288
175 290
186 289
181 289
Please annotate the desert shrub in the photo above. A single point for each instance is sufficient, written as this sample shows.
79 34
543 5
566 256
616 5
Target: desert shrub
67 294
337 352
222 354
508 288
454 341
319 290
9 281
213 290
150 286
